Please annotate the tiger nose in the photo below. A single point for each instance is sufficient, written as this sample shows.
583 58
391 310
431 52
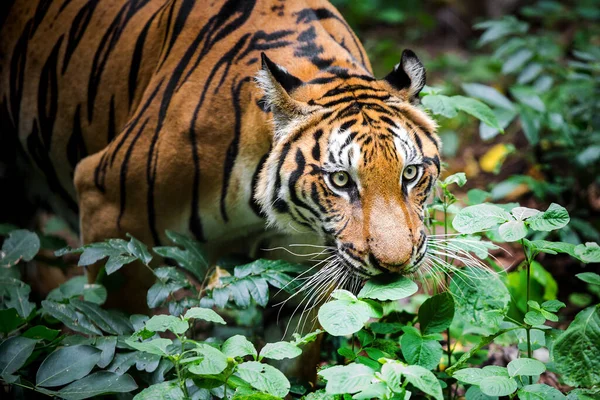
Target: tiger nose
391 266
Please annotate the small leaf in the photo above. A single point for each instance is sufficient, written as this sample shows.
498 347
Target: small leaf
264 378
14 352
164 391
139 249
474 393
540 392
498 385
213 361
436 313
280 350
41 332
459 178
9 320
20 245
104 319
555 217
522 213
162 323
512 231
117 261
388 287
423 379
96 384
67 364
19 300
553 305
238 346
439 105
534 318
205 314
347 379
342 317
477 109
526 367
421 351
588 252
107 346
516 61
589 277
155 346
488 94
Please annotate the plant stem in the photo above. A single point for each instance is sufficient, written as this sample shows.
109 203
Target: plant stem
449 343
528 329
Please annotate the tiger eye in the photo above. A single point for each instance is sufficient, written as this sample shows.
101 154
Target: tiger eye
410 173
340 179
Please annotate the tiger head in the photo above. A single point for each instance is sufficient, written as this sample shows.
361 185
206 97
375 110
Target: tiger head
354 160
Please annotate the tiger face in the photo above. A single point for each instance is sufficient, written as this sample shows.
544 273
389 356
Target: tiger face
353 160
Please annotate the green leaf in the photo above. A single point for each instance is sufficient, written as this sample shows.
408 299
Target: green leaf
68 315
423 379
19 300
20 245
526 367
104 319
540 392
373 391
164 391
498 385
588 252
349 378
553 305
534 318
481 300
213 362
139 250
477 109
459 178
589 277
10 320
512 231
96 252
342 317
14 352
95 293
96 384
576 352
67 364
474 393
544 246
439 105
41 332
388 287
107 346
488 94
238 346
529 97
162 323
522 213
531 123
264 378
280 350
421 351
436 313
479 218
117 261
516 61
160 291
258 289
155 346
555 217
474 376
205 314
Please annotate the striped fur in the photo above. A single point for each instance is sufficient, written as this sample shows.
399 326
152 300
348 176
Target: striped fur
142 116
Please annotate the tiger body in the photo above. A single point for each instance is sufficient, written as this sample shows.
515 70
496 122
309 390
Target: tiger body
143 116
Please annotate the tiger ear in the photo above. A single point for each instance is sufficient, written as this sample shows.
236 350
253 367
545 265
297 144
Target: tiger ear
277 84
408 75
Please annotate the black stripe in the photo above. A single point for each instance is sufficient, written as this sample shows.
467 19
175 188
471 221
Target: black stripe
76 149
253 203
77 30
316 150
47 100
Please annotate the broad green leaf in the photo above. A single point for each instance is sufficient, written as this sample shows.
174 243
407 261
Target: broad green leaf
420 350
498 385
213 362
117 261
349 378
522 213
576 352
264 378
474 393
104 319
529 97
474 376
96 384
9 320
41 332
160 291
164 391
481 300
14 352
342 294
423 379
534 318
512 231
139 250
388 287
96 252
529 73
440 105
280 350
68 315
553 305
342 317
516 61
238 346
95 293
544 246
205 314
526 367
531 123
155 346
588 252
384 328
459 178
540 392
504 117
107 346
589 277
479 218
436 313
373 391
258 289
20 245
555 217
488 94
477 109
162 323
67 364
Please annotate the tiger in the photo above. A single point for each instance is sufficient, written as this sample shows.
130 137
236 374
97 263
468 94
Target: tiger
220 119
